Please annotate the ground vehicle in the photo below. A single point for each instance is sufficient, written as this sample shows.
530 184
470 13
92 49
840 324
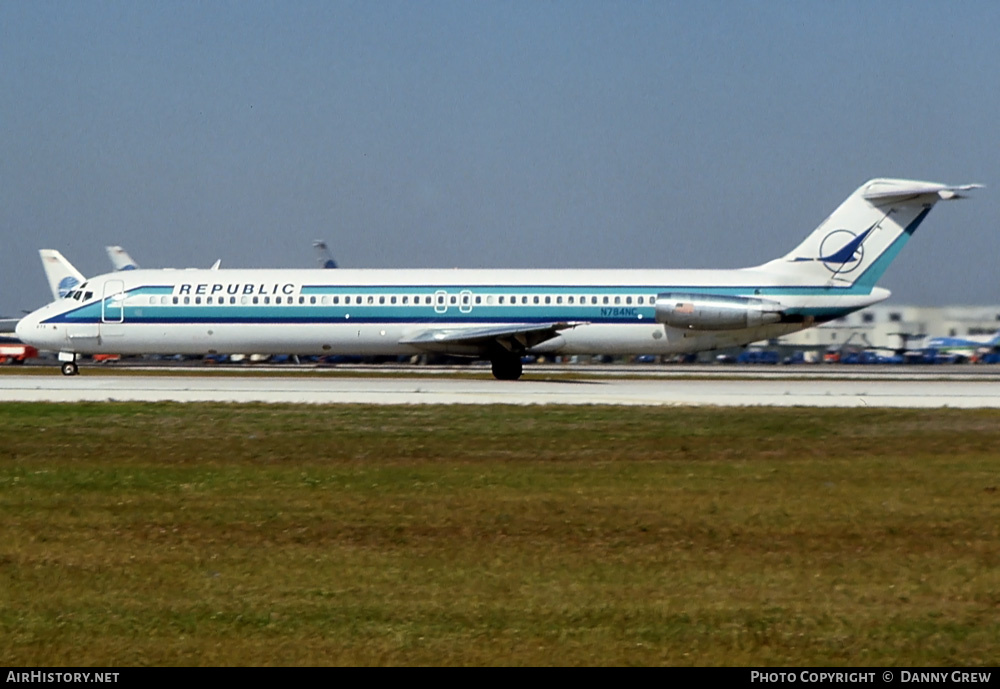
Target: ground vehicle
16 353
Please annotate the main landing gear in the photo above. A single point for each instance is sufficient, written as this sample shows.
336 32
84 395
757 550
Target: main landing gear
506 366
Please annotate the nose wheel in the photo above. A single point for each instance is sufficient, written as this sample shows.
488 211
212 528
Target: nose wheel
69 368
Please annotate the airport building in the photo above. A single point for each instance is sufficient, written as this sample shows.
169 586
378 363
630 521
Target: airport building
895 327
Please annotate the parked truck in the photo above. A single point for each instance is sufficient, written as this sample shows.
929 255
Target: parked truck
16 353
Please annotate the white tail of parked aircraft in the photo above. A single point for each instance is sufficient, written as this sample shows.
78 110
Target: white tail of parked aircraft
495 314
120 258
60 273
323 254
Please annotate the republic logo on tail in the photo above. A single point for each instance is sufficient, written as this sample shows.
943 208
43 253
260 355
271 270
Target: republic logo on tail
851 252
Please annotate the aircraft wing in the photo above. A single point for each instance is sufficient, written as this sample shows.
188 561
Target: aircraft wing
515 338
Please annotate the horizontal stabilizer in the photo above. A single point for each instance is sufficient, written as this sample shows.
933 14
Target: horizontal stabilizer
891 189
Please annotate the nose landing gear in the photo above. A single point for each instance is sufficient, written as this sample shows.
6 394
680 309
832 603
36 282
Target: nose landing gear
68 365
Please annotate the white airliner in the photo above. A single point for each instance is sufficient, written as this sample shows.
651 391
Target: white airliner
495 314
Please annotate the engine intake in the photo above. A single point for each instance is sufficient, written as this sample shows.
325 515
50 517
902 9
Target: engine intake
714 312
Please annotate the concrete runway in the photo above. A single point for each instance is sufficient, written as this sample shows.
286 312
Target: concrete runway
440 389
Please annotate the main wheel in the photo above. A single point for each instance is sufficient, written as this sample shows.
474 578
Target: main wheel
69 368
506 367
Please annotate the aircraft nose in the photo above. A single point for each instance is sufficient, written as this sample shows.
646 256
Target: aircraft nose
21 328
27 329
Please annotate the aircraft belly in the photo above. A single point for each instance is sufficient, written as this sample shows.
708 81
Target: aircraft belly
224 338
657 339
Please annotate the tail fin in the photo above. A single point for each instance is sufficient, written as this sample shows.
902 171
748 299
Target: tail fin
860 239
323 254
60 273
119 259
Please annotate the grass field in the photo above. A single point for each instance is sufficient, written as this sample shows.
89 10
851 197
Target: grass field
165 534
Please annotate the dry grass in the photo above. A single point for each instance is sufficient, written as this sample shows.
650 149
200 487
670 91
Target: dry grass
141 534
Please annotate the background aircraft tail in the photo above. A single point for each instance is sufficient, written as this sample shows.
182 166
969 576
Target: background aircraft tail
323 254
860 239
120 259
60 273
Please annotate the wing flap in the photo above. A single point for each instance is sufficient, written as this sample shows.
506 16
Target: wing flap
516 337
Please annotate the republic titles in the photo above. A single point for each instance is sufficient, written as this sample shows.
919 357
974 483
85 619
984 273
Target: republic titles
236 289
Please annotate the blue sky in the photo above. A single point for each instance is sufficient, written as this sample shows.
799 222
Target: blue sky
490 134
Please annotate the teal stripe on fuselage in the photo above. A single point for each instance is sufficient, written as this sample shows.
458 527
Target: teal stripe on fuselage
430 313
577 290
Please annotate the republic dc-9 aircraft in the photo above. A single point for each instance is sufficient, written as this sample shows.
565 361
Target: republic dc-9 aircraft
495 314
